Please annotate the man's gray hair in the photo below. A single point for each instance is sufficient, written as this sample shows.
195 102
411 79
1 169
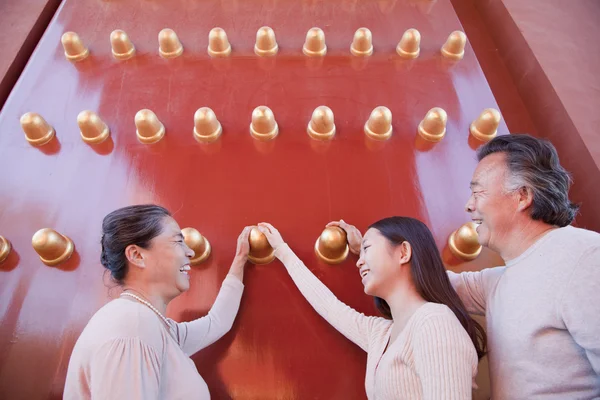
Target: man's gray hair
533 163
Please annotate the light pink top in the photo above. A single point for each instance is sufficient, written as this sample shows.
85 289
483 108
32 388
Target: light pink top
127 352
433 358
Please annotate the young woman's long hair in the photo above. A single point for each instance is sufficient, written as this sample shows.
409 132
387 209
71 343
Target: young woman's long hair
428 273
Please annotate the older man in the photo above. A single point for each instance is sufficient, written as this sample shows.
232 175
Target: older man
543 307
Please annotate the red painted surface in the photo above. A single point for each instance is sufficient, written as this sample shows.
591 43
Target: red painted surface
22 24
279 347
546 51
563 46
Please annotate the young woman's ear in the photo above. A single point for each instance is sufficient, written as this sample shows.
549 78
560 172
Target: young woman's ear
405 252
134 256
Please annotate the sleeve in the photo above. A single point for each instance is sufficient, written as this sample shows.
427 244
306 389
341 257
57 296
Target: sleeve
354 325
202 332
579 306
474 288
125 368
445 359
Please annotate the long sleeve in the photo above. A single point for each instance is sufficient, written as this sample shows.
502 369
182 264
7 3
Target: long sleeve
444 358
349 322
579 306
202 332
124 369
473 288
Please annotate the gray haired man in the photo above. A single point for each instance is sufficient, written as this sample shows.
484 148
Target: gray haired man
543 307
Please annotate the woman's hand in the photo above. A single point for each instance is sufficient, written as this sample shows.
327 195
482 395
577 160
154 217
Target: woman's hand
241 254
353 234
243 245
272 234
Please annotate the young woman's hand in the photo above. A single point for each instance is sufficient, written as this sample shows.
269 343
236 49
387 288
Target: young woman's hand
353 234
272 234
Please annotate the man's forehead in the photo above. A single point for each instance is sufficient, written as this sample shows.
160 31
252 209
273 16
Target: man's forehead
492 165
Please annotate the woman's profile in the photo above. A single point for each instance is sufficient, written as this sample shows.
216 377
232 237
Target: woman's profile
426 346
130 349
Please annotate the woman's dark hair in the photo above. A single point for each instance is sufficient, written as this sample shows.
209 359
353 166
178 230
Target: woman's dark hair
428 273
136 225
533 163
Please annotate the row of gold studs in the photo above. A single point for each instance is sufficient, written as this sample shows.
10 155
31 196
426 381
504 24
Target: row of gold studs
207 128
54 248
266 45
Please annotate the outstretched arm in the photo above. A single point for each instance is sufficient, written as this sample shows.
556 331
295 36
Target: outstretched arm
354 325
473 288
202 332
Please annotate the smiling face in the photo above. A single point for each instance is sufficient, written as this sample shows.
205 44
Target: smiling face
167 260
492 207
379 263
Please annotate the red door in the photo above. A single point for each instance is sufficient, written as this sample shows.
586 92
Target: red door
279 347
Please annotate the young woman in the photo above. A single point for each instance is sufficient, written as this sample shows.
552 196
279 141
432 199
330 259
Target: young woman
129 349
427 346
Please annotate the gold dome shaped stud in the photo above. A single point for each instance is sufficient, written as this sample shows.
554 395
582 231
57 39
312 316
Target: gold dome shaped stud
362 44
410 44
207 127
74 48
332 246
92 129
121 45
37 131
261 251
463 242
169 45
321 125
5 248
433 126
218 44
379 124
263 126
148 127
266 44
52 247
314 45
198 243
485 127
454 48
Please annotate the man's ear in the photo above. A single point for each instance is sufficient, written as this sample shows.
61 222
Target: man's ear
405 250
524 198
134 256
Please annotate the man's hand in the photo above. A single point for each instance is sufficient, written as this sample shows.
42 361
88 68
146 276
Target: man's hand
353 234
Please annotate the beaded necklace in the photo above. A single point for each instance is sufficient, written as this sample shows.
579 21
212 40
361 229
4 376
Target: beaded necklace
147 303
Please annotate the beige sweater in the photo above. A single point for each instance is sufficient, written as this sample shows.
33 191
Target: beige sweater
543 317
127 352
433 358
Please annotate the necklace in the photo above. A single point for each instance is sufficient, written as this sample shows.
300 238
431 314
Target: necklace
147 303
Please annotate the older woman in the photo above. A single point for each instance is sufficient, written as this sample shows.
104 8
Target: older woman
129 349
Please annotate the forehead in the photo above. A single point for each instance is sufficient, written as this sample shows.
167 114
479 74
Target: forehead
490 169
170 226
372 234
